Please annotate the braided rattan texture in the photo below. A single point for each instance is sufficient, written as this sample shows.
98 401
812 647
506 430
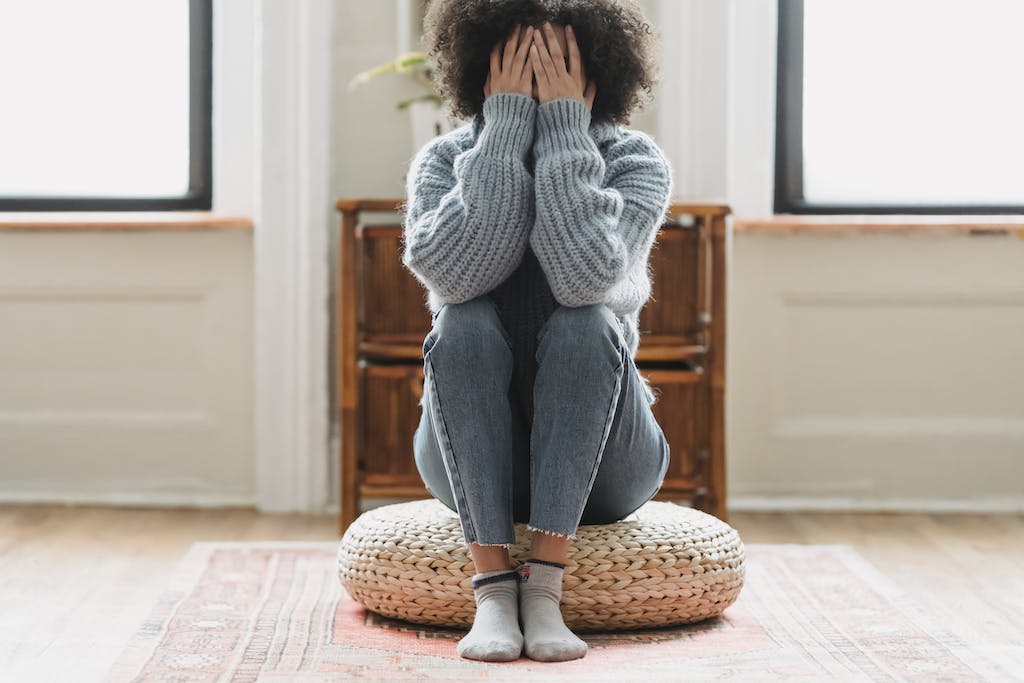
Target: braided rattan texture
663 565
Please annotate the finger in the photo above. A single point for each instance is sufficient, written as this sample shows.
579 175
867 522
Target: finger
555 50
522 62
526 37
543 56
510 49
538 66
575 65
495 63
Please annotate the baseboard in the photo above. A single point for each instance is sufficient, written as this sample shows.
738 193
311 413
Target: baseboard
994 505
155 499
1007 505
1002 505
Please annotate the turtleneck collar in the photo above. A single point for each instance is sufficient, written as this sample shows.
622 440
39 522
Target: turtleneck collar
602 130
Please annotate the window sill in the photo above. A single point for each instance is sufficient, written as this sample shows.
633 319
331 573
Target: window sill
121 220
883 223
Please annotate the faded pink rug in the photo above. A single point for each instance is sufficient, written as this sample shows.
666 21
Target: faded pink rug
239 611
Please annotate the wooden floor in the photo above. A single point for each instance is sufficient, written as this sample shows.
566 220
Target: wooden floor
75 582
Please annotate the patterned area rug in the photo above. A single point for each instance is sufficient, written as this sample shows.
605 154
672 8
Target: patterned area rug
240 611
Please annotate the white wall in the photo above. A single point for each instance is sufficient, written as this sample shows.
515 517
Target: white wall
126 357
126 367
876 372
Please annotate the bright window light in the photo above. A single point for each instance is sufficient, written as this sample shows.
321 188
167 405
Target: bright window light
95 98
914 102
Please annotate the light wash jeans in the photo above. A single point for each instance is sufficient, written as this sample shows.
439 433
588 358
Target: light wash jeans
598 453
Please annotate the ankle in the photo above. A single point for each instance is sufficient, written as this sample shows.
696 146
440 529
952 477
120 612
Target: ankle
550 563
486 578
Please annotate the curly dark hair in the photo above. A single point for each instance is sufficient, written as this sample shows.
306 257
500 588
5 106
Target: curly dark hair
616 45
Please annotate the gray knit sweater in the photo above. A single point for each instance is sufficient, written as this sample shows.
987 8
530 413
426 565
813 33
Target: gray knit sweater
536 206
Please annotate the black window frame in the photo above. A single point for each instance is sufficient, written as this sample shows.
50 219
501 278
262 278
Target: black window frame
789 172
200 191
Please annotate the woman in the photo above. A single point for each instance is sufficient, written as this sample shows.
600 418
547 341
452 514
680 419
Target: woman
531 229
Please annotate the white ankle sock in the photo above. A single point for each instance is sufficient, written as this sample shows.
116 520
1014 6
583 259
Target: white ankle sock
545 634
495 635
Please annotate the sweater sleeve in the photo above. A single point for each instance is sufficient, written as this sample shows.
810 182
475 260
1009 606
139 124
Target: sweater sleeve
594 220
468 213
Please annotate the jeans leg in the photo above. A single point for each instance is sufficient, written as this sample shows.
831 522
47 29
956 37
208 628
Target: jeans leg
467 427
635 459
598 453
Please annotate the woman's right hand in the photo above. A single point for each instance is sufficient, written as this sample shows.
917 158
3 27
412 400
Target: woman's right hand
511 70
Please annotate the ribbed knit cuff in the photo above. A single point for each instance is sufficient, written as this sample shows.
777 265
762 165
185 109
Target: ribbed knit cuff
509 119
563 123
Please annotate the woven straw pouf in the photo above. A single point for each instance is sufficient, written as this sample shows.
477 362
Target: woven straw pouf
663 565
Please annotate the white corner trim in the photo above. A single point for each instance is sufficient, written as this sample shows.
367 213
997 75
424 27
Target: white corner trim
693 96
676 94
716 101
234 107
292 217
980 505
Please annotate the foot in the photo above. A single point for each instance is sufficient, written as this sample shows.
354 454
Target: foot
545 635
495 635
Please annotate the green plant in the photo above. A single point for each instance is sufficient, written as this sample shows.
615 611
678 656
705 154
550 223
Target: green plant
417 65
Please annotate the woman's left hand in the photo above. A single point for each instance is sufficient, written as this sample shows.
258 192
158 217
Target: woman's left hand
553 80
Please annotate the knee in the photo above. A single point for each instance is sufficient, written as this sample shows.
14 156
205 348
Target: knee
593 327
471 330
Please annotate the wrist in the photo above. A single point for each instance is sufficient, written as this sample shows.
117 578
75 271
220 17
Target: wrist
509 121
563 123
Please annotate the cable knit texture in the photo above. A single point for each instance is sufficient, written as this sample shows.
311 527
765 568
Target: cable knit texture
537 205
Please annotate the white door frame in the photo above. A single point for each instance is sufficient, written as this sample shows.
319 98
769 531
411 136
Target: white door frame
292 216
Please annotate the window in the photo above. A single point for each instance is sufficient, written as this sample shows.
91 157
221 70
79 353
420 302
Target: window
106 105
913 106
